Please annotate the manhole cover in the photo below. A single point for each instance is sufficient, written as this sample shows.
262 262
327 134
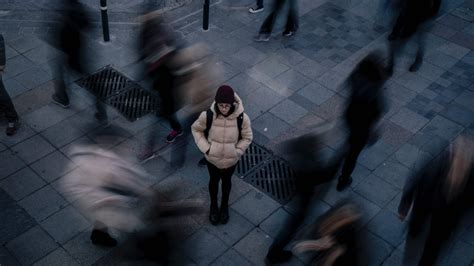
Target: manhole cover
252 157
275 178
115 89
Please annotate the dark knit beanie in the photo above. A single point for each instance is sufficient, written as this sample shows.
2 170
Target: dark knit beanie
225 94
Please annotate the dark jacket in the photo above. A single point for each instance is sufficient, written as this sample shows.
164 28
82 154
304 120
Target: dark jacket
412 14
3 57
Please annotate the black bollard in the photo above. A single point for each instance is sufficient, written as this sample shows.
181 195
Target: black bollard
205 15
105 20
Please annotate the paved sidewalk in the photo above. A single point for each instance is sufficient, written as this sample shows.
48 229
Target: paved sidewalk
287 86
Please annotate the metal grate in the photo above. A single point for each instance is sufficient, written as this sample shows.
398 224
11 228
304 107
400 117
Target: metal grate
274 178
253 156
115 89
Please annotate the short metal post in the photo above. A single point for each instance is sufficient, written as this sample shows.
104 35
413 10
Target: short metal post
105 20
205 15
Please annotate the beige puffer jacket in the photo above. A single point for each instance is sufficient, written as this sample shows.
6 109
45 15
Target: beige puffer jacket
223 140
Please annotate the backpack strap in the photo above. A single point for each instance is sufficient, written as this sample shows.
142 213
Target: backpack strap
209 117
240 121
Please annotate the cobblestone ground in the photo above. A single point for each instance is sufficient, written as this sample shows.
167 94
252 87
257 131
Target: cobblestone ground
288 86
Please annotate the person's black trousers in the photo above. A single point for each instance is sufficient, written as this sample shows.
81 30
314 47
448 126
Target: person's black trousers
164 84
6 104
291 21
357 143
217 175
259 3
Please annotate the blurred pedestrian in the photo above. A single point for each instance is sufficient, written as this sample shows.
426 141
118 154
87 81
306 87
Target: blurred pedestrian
158 47
257 8
6 104
304 155
291 25
222 134
70 40
334 237
441 192
414 18
365 106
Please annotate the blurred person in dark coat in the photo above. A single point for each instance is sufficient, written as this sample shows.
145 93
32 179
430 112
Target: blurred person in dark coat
311 170
444 190
6 104
365 106
69 39
414 19
291 25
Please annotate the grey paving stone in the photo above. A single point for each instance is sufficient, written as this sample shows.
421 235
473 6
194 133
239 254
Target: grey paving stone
62 133
441 60
83 251
414 82
255 215
430 71
270 125
397 92
387 226
315 210
288 111
383 193
292 80
107 137
393 173
239 189
409 120
461 254
52 166
290 56
43 118
443 127
41 54
203 247
254 246
411 156
275 222
310 68
43 203
231 258
31 246
453 50
67 150
374 155
17 65
466 99
6 258
370 255
271 67
392 134
332 108
430 143
33 77
15 220
2 147
33 149
249 56
333 80
14 88
14 163
22 183
244 85
65 224
25 43
233 231
316 93
10 52
57 257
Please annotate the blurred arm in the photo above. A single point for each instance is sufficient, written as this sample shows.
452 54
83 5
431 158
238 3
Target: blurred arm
2 53
247 135
197 130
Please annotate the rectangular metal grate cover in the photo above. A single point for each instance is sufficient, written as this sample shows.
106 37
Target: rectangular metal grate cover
115 89
270 174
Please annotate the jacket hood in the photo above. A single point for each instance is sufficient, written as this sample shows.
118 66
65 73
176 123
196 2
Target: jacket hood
239 107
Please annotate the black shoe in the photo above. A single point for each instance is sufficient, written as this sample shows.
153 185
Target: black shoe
102 238
416 65
64 103
173 135
214 215
12 128
289 33
343 183
202 162
278 256
262 37
224 215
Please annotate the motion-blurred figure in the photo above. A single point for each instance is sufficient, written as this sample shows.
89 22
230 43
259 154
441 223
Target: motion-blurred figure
365 106
311 170
291 25
6 104
70 41
183 77
414 19
444 190
334 237
116 194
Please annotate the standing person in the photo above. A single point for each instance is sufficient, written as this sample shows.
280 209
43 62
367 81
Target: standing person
414 19
70 41
257 8
365 107
441 193
291 21
6 104
216 133
159 46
